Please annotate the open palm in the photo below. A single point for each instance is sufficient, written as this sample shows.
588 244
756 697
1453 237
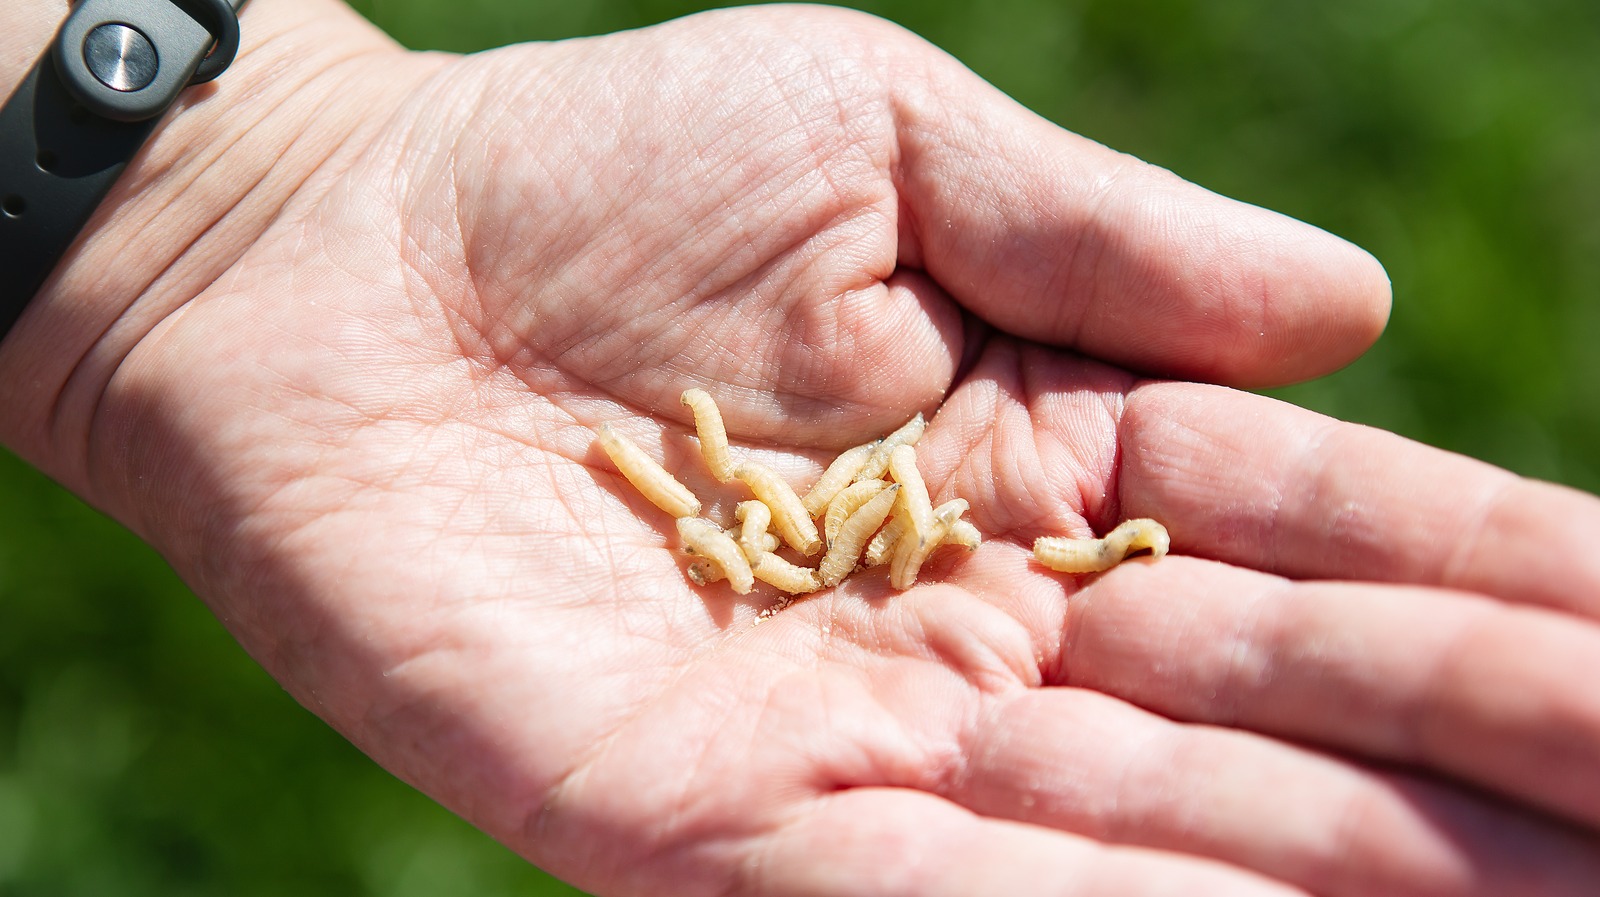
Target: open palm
370 445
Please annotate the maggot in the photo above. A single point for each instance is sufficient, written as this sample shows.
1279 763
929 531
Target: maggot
878 461
914 502
882 546
713 435
707 540
841 473
964 534
754 518
845 548
846 503
913 551
650 478
789 516
704 572
791 578
1094 555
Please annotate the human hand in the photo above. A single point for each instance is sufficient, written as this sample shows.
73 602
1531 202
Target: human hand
368 445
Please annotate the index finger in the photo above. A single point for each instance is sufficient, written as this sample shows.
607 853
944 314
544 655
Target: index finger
1264 484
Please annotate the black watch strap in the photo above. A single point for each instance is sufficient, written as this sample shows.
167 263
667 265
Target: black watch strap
81 114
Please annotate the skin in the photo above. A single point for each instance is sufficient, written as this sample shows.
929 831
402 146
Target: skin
369 308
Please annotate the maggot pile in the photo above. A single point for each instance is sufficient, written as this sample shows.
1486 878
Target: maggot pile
870 507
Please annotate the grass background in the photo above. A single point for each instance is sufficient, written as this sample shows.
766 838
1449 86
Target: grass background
142 753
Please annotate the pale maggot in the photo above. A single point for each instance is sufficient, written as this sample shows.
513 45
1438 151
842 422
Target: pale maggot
878 461
789 516
713 435
845 503
1094 555
845 548
649 477
705 539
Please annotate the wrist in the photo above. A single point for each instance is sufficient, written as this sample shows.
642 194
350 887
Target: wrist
218 169
26 27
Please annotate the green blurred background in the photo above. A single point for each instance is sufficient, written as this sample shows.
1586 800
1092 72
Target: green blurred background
142 753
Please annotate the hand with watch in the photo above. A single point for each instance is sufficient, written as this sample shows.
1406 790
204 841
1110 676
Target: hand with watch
339 341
